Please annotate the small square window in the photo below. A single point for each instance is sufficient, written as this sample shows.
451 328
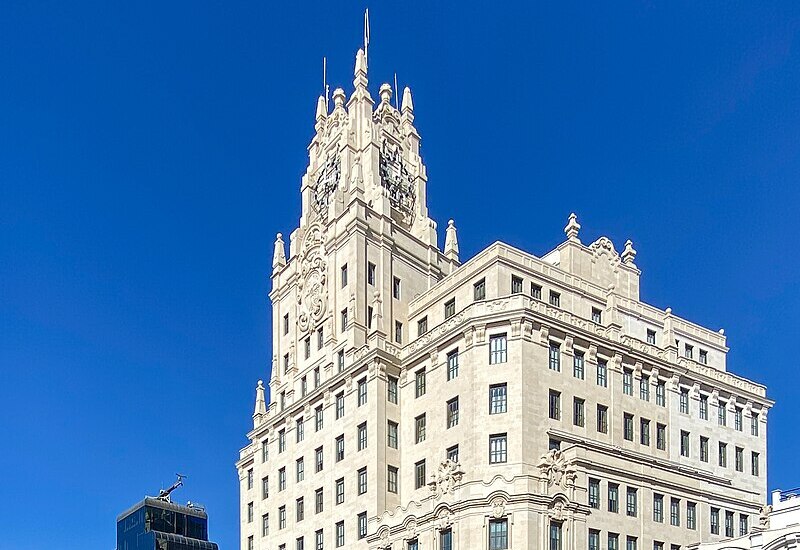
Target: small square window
536 291
597 315
422 326
449 308
516 284
651 337
555 299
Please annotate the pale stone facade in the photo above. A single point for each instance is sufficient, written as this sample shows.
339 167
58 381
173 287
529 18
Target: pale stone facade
513 401
778 527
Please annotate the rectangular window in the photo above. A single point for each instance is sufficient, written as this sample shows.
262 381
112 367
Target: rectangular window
498 352
340 448
362 436
452 364
613 541
317 379
555 405
597 316
704 357
658 508
307 347
479 290
714 517
343 277
754 424
594 493
282 517
688 351
343 319
627 381
339 534
498 449
362 481
370 273
319 540
318 418
300 507
286 324
644 431
391 434
419 474
685 443
684 401
728 524
613 497
419 387
631 502
320 337
555 299
362 525
594 539
602 419
398 332
754 469
630 543
339 405
391 479
265 525
446 539
722 414
691 515
555 357
340 490
737 420
285 364
249 512
422 326
369 316
516 284
449 308
264 487
675 512
412 545
703 449
498 534
644 388
319 461
739 459
340 360
396 288
452 453
743 525
555 535
651 337
723 455
281 441
300 466
250 478
452 413
282 479
265 450
703 407
300 430
602 373
661 394
419 429
627 426
536 291
391 390
578 412
577 365
661 437
362 392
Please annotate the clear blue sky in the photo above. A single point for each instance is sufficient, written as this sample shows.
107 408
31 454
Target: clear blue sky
149 152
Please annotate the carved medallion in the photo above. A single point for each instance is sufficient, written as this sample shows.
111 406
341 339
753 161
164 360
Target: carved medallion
446 477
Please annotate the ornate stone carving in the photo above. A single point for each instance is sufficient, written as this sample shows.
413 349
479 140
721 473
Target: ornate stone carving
556 510
445 478
312 296
498 507
604 247
560 472
763 517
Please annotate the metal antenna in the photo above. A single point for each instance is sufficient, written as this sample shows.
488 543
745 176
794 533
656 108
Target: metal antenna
366 36
396 93
325 86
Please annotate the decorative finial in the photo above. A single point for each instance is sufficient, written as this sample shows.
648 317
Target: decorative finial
279 256
360 73
261 404
629 254
451 242
722 332
408 103
338 98
572 228
668 311
322 110
385 93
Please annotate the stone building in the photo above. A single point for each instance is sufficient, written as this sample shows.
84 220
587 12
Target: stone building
778 527
512 401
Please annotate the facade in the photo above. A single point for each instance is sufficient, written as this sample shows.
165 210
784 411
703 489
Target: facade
158 524
778 527
512 401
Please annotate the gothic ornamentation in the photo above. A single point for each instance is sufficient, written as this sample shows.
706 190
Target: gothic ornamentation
312 296
326 183
446 477
557 469
397 181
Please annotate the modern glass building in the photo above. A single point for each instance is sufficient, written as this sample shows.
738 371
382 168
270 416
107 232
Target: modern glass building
156 524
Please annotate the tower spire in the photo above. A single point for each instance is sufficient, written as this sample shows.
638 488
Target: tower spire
451 242
366 35
279 255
